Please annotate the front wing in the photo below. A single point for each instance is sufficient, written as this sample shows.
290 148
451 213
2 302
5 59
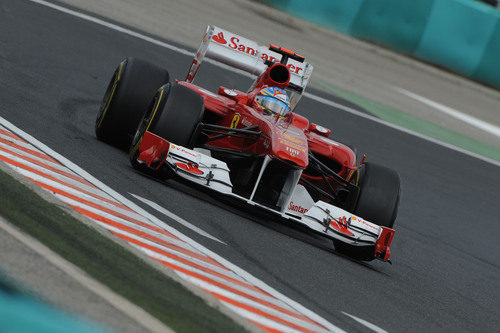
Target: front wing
199 167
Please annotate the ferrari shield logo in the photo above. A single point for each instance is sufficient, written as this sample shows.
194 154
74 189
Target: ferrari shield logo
236 120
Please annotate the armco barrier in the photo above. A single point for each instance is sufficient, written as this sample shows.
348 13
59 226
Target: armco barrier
488 69
336 14
395 23
456 35
461 35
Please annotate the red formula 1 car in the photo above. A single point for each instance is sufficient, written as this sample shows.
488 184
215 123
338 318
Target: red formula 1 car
250 145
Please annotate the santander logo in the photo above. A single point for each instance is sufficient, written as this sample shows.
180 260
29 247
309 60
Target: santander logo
219 38
297 208
189 167
341 224
234 43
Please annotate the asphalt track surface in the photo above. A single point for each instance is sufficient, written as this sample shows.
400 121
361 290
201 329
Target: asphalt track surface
53 71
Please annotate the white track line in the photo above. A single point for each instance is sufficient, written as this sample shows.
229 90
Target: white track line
365 323
176 218
478 123
226 67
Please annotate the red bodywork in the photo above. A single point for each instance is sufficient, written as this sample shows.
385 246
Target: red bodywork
290 139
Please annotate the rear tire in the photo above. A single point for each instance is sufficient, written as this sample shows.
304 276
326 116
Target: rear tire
379 195
127 97
173 114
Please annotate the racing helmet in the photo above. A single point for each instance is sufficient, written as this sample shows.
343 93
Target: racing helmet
273 100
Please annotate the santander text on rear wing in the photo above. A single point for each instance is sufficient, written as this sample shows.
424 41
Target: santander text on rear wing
244 54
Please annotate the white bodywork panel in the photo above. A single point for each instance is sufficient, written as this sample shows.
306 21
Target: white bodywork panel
299 207
346 224
300 203
199 168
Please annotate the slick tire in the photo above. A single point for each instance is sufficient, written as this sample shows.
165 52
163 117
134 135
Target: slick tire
378 200
127 97
173 114
181 113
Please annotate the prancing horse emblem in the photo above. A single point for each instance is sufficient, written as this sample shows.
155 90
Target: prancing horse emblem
235 121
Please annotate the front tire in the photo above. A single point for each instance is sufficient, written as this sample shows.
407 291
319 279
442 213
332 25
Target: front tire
378 200
126 99
179 115
173 114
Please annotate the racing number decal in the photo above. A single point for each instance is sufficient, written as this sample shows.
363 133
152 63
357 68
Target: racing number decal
235 121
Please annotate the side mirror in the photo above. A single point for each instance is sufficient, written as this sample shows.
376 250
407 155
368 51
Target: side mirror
319 130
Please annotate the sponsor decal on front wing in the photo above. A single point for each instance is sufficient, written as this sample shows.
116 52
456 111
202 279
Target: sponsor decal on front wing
297 208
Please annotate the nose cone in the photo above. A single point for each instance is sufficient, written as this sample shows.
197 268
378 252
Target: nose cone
291 145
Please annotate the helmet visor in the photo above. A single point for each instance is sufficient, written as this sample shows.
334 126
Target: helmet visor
273 105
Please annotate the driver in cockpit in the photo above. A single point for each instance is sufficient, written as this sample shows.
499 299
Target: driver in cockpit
274 101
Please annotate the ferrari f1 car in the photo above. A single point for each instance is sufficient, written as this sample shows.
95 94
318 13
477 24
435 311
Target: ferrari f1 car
250 145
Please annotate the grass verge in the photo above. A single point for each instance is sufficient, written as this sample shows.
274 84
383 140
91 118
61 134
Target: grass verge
108 262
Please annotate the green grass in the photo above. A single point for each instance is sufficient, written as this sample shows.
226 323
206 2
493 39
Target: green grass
108 262
415 124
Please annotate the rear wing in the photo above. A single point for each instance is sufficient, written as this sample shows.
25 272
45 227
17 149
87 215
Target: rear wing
244 54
